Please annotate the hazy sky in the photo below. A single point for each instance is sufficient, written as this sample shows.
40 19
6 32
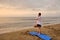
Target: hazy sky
18 8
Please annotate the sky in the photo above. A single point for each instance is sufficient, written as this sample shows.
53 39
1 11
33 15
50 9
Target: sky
29 8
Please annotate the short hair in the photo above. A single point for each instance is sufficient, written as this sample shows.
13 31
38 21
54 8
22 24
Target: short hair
39 14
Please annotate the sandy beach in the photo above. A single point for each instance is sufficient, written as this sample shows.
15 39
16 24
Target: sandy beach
22 33
12 29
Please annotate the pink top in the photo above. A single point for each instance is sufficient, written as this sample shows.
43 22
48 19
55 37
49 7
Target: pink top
38 20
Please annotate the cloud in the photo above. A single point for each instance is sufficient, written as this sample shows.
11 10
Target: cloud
45 4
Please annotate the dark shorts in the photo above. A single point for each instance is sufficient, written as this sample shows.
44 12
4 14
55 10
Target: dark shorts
38 25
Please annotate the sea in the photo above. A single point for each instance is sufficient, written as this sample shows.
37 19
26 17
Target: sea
7 22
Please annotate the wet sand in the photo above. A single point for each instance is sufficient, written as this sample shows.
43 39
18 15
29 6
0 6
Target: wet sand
12 29
22 33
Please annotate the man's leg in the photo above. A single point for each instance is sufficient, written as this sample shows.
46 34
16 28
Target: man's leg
39 29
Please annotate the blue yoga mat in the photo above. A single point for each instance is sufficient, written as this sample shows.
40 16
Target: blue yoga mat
41 35
33 33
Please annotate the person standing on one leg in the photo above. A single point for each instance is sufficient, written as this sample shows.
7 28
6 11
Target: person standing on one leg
38 23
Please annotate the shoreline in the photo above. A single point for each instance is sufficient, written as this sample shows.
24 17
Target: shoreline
14 29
